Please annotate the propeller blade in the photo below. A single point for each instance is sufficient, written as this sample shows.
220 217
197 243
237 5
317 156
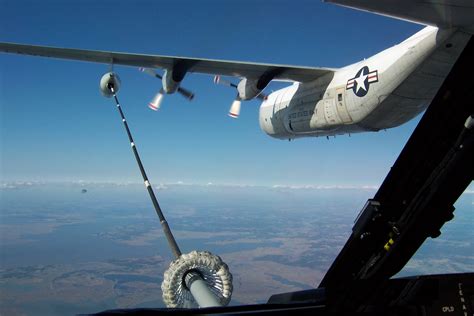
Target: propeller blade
234 111
156 102
186 93
150 72
219 80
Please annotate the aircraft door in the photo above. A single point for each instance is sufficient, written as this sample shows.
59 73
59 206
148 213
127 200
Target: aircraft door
341 105
278 108
280 123
281 109
330 112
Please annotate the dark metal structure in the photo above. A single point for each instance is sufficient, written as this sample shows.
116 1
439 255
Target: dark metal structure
417 196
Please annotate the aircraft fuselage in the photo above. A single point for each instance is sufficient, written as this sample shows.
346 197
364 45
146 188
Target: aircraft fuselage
383 91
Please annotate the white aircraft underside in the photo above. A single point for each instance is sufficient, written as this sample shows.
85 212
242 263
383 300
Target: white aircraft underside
383 91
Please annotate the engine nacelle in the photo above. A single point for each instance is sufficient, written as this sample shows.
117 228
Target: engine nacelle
172 78
108 81
248 89
169 85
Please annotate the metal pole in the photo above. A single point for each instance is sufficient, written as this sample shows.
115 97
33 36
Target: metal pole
166 229
200 291
196 285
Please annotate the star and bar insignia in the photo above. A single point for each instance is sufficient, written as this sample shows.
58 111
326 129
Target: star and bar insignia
362 80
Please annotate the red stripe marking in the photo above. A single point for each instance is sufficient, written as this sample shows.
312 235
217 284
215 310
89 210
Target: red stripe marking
151 106
233 115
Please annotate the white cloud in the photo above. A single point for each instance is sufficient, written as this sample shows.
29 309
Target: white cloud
167 185
324 187
161 186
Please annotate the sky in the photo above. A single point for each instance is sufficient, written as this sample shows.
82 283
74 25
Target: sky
56 126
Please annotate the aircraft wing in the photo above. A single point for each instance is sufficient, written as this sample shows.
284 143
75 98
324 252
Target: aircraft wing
443 14
197 65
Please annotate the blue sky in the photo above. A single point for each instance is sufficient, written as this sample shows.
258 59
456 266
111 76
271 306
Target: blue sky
56 126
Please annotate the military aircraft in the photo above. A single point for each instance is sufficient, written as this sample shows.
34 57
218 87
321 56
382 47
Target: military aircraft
412 204
380 92
430 69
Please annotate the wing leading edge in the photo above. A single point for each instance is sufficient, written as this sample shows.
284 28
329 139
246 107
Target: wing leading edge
196 65
443 14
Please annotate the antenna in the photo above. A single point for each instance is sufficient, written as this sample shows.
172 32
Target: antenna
196 279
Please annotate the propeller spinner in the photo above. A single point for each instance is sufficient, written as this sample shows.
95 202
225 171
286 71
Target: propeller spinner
155 103
234 111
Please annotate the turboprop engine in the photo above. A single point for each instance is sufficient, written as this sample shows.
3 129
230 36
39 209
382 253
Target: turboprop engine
170 83
247 89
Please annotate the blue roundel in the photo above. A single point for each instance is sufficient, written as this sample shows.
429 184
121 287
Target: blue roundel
362 80
361 87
